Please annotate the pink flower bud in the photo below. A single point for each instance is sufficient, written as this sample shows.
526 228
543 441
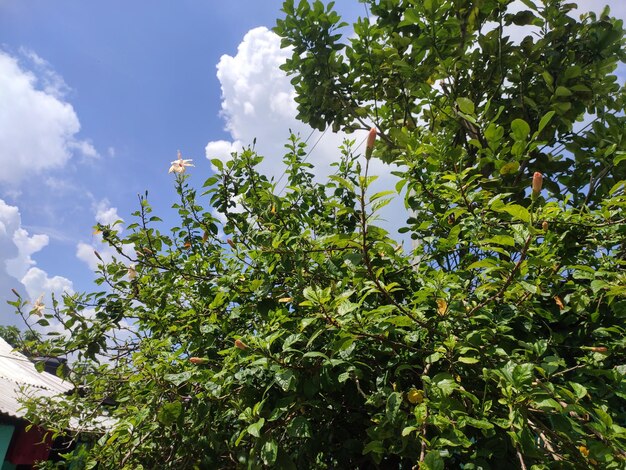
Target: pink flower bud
198 360
537 183
371 138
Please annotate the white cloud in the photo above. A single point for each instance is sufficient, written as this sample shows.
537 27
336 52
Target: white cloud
105 214
47 78
26 246
222 150
86 252
38 282
18 269
37 127
618 7
84 147
517 33
258 102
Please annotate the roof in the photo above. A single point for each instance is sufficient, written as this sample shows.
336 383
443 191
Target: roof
19 377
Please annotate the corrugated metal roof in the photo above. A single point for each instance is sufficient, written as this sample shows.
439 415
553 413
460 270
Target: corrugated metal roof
19 376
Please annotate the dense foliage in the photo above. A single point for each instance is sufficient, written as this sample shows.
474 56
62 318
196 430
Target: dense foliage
298 334
13 336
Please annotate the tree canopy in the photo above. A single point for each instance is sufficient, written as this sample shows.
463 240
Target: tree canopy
293 332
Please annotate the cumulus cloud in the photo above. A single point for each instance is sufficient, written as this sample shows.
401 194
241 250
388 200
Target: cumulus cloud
26 246
105 215
38 129
38 282
18 269
258 104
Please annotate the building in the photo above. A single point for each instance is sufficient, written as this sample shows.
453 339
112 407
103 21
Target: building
21 448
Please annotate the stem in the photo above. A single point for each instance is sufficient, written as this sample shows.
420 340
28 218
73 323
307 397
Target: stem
508 281
367 260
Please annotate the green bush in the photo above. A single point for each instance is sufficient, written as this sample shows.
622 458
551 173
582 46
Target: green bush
305 337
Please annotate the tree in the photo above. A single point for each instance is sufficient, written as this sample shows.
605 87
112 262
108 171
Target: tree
309 339
12 335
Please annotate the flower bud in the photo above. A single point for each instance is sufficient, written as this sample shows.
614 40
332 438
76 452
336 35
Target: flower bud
371 138
198 360
537 183
240 345
415 396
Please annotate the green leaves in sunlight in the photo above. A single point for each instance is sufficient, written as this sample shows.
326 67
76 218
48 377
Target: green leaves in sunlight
283 328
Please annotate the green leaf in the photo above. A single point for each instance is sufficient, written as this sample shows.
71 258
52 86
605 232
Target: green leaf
315 354
468 360
465 105
179 378
375 447
217 163
516 211
478 423
286 380
505 240
597 285
169 413
483 263
579 390
520 130
508 168
394 400
269 452
432 461
562 91
445 382
620 157
545 120
299 427
255 428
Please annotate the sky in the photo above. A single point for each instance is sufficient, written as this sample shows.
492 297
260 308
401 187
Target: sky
97 97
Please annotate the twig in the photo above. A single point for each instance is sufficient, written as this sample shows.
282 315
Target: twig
521 459
508 281
423 428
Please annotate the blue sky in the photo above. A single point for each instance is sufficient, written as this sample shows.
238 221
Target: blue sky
97 97
95 100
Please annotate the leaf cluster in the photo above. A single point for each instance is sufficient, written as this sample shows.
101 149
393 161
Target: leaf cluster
286 329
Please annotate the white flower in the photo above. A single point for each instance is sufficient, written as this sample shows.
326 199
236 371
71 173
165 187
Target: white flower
132 273
38 306
178 166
